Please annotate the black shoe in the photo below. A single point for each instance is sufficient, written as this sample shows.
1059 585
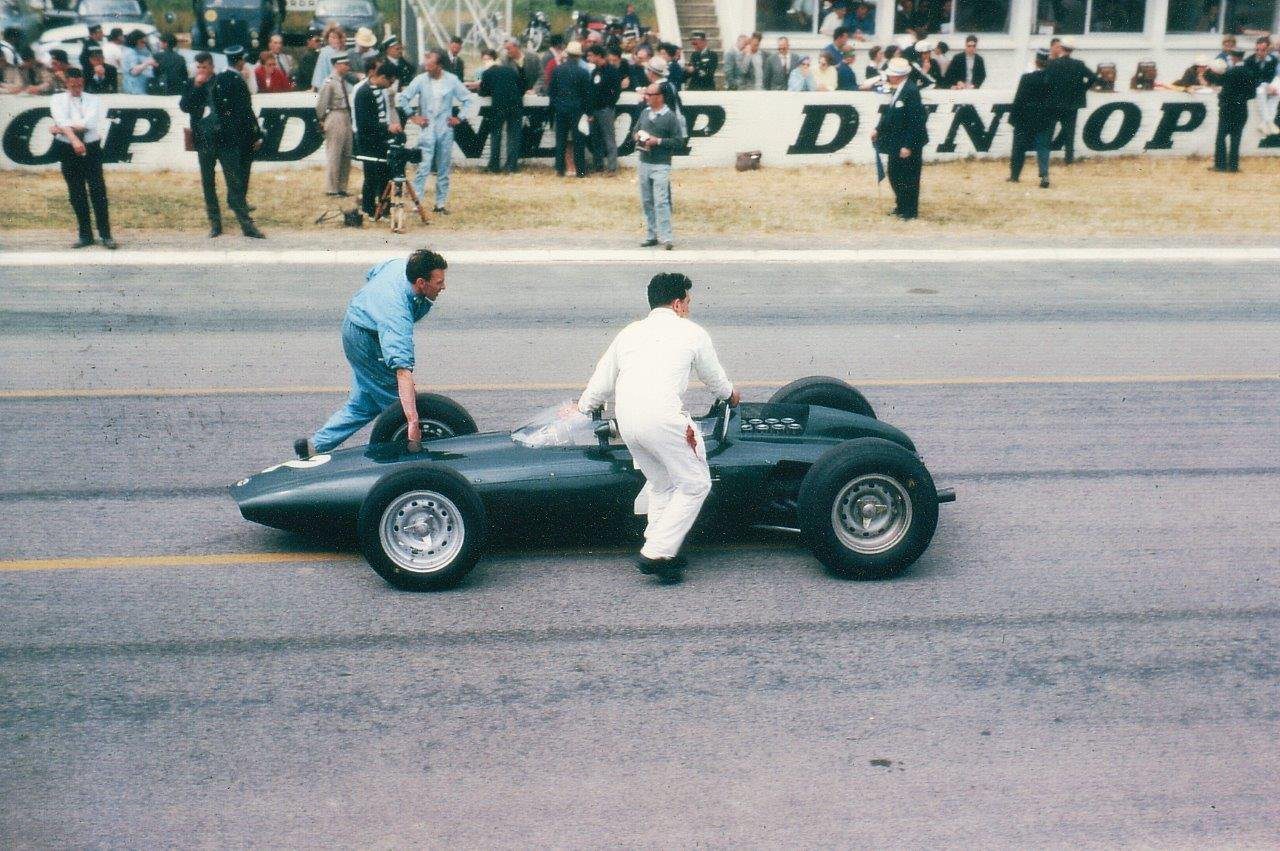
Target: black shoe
215 230
649 243
109 243
303 449
581 174
251 230
1044 183
894 212
668 245
441 210
83 242
668 570
334 194
1011 180
559 174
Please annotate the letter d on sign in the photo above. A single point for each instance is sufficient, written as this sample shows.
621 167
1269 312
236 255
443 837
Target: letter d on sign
815 116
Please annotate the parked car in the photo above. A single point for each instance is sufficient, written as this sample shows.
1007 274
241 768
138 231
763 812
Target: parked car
71 38
224 23
351 14
125 14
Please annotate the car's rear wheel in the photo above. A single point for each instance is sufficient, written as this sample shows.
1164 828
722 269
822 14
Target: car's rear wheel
825 391
867 509
422 529
439 415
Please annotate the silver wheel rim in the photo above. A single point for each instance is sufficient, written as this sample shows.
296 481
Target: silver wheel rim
871 514
431 430
422 531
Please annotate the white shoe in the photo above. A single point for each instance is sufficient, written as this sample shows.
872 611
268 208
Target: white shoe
1273 129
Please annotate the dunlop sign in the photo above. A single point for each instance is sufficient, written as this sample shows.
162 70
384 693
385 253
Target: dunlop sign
789 128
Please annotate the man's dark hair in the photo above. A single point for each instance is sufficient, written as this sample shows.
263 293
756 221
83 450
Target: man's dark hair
556 41
96 28
596 50
422 263
59 55
489 53
203 56
116 32
667 287
169 40
614 50
840 31
26 54
1263 39
971 39
457 39
74 74
380 68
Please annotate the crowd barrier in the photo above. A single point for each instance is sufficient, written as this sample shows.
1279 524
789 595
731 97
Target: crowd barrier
788 128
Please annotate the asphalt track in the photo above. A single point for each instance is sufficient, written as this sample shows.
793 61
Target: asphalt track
1086 654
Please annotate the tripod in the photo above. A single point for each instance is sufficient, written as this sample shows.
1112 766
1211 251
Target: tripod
392 199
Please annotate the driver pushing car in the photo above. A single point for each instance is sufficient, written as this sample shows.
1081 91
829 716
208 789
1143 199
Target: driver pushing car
646 370
377 338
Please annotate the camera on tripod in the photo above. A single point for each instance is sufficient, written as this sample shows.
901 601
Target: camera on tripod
399 156
391 199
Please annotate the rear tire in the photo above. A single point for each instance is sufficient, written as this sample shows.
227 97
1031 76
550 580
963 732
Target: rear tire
868 509
440 417
825 391
422 529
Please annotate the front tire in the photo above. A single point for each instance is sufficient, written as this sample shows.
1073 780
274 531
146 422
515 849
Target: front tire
440 417
868 509
825 391
422 529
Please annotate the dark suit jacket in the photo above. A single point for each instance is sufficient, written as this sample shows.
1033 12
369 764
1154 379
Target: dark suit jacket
777 72
1069 79
228 95
503 86
1032 109
903 123
956 70
606 87
453 65
1239 84
371 135
109 85
569 90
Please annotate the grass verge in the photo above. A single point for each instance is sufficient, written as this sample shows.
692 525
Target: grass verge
1095 198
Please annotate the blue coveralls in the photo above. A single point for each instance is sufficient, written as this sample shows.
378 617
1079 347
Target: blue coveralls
377 337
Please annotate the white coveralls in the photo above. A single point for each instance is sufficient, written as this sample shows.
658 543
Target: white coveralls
646 369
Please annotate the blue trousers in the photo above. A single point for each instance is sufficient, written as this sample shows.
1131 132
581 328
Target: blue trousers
437 156
655 198
373 388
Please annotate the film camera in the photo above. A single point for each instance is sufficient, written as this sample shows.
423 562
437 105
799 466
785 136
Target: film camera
392 198
399 156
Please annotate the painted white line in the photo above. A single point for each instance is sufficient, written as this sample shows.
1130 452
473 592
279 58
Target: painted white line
607 257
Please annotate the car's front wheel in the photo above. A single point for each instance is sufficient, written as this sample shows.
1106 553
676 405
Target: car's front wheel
422 529
439 415
868 509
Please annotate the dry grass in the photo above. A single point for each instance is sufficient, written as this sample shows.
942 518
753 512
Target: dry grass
1112 198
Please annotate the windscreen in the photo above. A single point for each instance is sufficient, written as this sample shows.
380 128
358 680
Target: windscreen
110 8
344 8
561 425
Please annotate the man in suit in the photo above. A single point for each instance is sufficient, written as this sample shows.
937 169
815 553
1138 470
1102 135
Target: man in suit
503 86
701 67
568 95
1069 80
901 136
452 61
1032 121
779 65
226 132
966 71
1238 85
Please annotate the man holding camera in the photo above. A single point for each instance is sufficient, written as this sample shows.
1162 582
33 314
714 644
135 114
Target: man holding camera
226 132
375 123
377 339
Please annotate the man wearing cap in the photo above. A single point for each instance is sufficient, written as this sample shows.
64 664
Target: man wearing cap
1069 80
366 48
393 54
646 370
99 77
569 95
901 136
658 135
433 96
377 339
968 70
78 122
333 111
1238 86
701 65
1032 121
226 132
924 70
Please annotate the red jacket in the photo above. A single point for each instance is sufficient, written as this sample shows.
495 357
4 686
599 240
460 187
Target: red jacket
277 82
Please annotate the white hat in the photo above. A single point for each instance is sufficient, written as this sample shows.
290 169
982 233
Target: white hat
573 48
897 67
365 38
1068 43
656 65
1218 66
924 46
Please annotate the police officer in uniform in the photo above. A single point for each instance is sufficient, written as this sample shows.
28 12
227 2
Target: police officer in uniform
901 136
1238 84
702 64
226 133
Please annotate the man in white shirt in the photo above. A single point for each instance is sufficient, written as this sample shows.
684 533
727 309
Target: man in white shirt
113 49
646 369
78 121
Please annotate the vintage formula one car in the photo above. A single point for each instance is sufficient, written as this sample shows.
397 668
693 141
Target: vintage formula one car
813 459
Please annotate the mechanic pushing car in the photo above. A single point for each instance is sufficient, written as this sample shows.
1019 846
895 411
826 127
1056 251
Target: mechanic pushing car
377 338
646 370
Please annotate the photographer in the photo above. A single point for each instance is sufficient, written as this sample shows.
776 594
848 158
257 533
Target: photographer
374 123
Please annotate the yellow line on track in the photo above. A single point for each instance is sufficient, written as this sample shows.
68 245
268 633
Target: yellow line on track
209 560
159 392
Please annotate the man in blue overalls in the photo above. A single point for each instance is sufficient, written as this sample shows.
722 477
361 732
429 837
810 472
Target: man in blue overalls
377 337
